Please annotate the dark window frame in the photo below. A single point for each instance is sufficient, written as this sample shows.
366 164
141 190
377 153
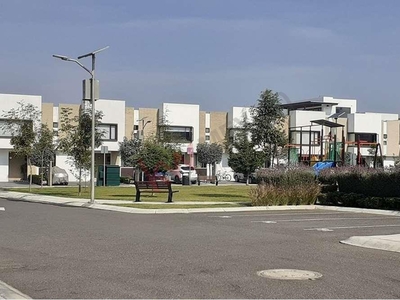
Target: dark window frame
110 125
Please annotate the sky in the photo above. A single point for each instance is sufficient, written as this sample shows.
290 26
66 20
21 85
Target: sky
216 53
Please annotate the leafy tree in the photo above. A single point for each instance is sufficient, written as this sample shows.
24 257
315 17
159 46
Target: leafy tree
266 127
75 138
243 156
209 153
154 157
22 123
44 149
128 150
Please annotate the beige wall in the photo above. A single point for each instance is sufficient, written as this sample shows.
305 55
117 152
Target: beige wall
129 121
218 123
151 114
342 121
74 110
393 132
202 127
47 115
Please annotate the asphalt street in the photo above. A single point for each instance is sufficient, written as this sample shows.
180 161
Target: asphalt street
48 251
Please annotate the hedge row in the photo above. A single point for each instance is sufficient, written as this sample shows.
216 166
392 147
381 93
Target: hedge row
359 200
365 181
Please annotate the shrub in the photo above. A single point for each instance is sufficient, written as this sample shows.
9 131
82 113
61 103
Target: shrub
366 181
296 186
36 179
125 179
359 200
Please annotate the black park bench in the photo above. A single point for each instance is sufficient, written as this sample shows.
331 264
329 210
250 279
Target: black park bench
154 187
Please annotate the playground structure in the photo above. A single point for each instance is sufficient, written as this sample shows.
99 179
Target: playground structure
327 147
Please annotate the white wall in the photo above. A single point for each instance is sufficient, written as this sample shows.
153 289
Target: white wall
351 103
10 101
177 114
304 117
114 113
368 122
235 116
62 162
3 165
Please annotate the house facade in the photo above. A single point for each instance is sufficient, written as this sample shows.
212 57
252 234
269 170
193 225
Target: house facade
312 126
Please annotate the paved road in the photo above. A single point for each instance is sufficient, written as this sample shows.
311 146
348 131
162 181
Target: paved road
61 252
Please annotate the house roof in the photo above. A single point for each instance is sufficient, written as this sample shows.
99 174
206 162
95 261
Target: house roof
327 123
305 104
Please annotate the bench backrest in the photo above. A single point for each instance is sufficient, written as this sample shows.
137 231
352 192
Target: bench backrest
153 185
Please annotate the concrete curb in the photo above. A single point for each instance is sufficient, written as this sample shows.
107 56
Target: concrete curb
360 210
380 242
76 202
8 292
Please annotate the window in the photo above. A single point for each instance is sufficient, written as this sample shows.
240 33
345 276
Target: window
177 134
207 137
384 142
135 127
346 110
55 124
109 132
55 132
385 136
366 137
305 140
207 130
7 132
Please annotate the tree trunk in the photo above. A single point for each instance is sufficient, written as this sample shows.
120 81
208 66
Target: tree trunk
30 175
41 173
80 182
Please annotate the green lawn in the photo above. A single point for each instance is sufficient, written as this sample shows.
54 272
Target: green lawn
204 193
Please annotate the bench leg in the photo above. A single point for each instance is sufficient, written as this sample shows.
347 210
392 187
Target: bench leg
137 196
170 197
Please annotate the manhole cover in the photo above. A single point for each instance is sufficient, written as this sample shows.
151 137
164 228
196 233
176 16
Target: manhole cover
289 274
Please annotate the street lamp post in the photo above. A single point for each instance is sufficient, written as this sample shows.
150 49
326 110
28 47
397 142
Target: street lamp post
141 137
92 98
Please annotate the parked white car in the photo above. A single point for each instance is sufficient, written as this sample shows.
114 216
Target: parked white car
182 170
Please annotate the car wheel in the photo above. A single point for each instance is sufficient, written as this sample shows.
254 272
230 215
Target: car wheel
250 180
236 178
176 179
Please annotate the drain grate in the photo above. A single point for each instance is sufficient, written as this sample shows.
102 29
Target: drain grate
289 274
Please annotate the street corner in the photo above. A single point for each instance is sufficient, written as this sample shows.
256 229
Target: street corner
379 242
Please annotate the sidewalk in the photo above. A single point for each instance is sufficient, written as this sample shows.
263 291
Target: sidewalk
102 204
380 242
8 292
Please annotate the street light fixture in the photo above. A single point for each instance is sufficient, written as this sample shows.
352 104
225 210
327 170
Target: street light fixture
143 127
92 96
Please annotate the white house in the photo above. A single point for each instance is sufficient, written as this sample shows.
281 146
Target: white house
10 164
